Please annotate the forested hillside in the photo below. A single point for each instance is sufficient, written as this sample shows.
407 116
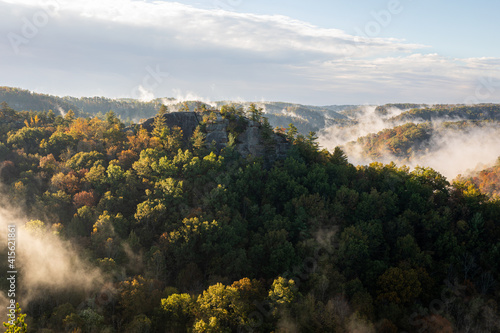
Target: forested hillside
453 139
305 117
189 236
487 180
386 109
21 99
406 141
451 112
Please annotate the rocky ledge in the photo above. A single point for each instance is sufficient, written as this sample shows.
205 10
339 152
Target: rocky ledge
248 143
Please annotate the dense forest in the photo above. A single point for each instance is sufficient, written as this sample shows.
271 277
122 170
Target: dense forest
400 141
192 238
451 112
487 180
125 109
403 142
384 110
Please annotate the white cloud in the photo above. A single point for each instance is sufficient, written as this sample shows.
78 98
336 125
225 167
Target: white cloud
144 94
416 77
219 28
48 264
103 47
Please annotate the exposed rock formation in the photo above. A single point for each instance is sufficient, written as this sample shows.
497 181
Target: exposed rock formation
217 132
247 143
187 121
250 143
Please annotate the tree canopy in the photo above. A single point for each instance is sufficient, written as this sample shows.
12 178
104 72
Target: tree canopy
195 239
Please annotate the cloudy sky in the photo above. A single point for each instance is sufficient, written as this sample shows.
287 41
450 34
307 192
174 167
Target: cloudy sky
313 52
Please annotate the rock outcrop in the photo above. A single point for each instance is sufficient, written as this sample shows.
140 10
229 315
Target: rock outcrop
247 143
187 121
217 132
250 143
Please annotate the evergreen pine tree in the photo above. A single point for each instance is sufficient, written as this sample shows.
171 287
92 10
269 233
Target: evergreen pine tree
159 121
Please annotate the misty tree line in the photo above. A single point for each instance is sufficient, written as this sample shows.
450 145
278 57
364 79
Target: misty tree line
192 239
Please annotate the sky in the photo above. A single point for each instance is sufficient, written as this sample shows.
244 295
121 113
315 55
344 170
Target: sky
319 52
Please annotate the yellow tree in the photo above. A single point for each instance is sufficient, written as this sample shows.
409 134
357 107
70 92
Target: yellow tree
16 325
216 309
179 309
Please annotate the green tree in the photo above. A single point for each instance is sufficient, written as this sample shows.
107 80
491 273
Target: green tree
85 160
291 132
354 250
51 116
267 132
92 321
28 138
103 233
399 285
150 213
138 296
255 112
198 142
111 119
171 139
6 110
312 140
140 324
159 121
97 177
73 323
57 143
60 313
70 116
338 157
115 175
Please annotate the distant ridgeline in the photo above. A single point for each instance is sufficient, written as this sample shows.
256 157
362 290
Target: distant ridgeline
451 112
305 117
425 112
21 99
385 109
412 131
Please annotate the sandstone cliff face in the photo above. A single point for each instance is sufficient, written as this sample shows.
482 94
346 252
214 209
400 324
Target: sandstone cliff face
248 143
217 132
187 121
